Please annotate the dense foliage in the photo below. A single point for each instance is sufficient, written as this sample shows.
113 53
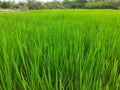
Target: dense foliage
60 50
66 4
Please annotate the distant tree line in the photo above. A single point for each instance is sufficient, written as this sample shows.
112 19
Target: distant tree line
66 4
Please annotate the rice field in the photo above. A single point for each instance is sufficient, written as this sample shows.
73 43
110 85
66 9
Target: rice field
60 50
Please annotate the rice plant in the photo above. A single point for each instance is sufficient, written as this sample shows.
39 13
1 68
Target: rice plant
60 50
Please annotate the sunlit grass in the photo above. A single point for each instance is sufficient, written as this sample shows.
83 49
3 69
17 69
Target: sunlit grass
60 50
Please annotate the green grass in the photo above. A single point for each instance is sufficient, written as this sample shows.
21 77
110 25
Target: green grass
60 50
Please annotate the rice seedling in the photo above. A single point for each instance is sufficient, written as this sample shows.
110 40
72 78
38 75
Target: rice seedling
60 50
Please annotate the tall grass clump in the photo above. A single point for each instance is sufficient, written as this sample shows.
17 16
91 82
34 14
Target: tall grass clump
60 50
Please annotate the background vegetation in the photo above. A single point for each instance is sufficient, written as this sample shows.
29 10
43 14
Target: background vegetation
66 4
